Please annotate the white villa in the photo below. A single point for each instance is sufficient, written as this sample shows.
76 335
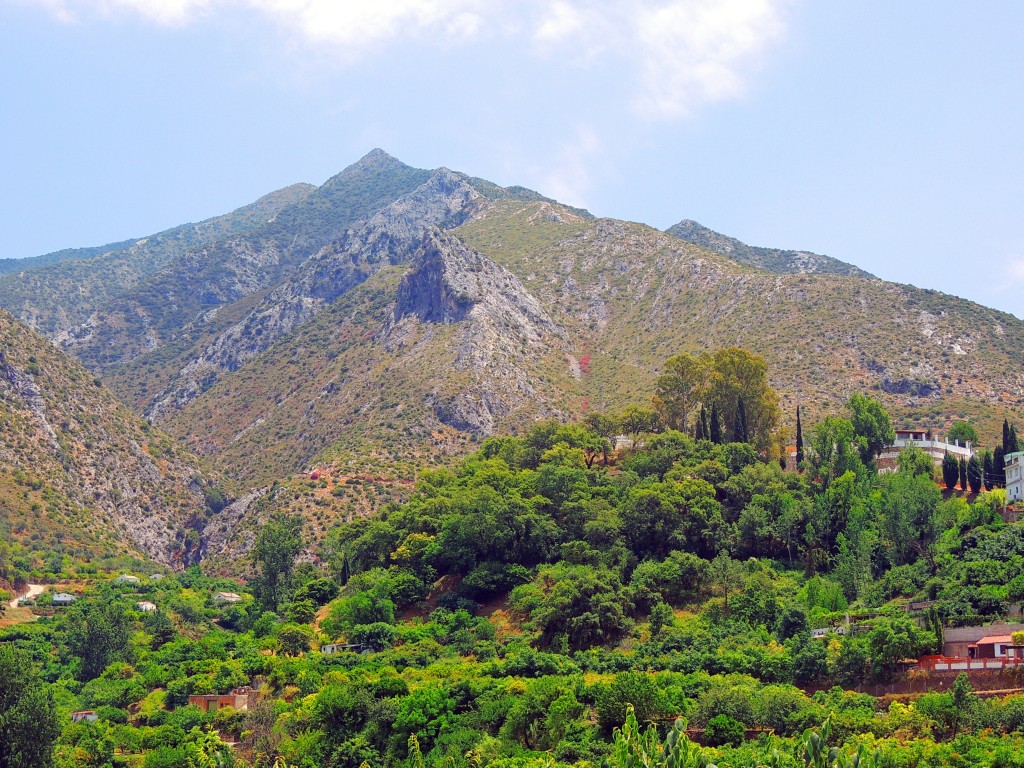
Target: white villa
928 441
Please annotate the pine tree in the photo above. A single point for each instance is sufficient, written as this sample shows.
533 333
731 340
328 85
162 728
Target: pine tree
963 474
716 426
799 439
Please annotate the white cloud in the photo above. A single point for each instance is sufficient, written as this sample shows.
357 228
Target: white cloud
694 51
679 54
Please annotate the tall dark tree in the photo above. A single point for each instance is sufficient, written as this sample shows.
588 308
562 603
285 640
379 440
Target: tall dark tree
963 474
974 474
698 432
989 471
1006 436
715 428
28 716
950 470
277 546
739 428
346 569
1012 446
998 467
799 438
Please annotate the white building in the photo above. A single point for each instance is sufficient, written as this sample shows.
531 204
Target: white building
927 441
1014 477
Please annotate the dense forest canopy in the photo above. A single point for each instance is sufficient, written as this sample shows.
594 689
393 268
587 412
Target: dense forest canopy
544 600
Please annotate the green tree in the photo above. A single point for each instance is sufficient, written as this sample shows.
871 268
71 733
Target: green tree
950 470
28 719
682 385
974 474
913 461
871 423
661 617
295 639
739 434
634 691
743 375
962 473
998 467
276 548
97 632
963 433
988 470
715 428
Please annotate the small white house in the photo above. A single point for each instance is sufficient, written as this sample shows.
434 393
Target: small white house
127 578
145 606
63 598
823 632
156 577
226 597
329 649
86 715
1014 475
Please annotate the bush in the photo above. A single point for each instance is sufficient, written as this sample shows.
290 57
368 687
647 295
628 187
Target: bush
723 730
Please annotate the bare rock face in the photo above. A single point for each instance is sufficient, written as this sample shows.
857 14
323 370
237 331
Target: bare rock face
102 474
391 236
500 322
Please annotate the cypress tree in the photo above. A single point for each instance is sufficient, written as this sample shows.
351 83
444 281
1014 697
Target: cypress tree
346 570
989 471
974 474
1006 436
963 474
799 438
704 423
950 471
739 427
716 426
698 433
999 467
1013 446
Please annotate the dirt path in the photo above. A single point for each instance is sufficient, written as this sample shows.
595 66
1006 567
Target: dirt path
34 590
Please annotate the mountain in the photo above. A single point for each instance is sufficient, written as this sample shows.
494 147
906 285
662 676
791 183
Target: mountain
82 474
63 295
770 259
395 316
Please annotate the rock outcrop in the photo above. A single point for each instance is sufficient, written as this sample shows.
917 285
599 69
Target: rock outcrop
390 236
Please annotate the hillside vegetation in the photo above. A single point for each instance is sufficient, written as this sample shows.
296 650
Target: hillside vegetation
540 602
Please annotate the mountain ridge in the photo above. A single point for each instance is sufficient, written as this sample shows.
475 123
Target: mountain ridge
771 259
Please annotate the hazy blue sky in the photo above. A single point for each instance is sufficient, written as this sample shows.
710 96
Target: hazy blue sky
889 135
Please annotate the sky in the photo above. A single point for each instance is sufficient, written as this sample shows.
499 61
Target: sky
889 135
